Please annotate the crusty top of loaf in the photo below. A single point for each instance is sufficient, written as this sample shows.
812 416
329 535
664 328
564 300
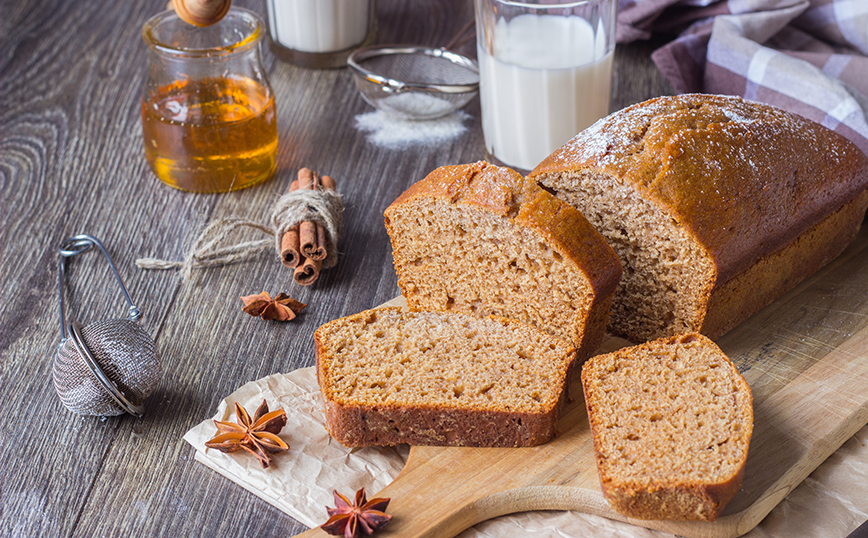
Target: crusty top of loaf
744 178
505 192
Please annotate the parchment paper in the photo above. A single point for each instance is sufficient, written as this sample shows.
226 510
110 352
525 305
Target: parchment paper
832 501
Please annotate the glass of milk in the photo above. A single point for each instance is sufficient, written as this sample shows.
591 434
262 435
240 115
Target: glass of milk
320 33
545 73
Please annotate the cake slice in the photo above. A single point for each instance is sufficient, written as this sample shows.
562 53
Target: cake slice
483 240
440 378
671 421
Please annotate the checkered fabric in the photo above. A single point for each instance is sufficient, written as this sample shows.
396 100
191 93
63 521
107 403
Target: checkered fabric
805 56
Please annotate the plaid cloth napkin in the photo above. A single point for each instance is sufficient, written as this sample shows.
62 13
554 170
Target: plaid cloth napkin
805 56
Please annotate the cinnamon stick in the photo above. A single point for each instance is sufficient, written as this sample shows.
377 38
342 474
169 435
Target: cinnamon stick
328 183
311 234
289 246
289 243
307 234
303 247
307 273
320 252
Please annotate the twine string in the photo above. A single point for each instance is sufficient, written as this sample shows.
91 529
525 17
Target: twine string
323 206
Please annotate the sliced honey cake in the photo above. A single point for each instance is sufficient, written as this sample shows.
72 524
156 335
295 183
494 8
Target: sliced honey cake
671 421
440 378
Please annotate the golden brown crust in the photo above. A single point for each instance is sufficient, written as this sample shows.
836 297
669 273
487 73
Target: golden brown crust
753 186
774 275
745 178
697 502
386 426
505 193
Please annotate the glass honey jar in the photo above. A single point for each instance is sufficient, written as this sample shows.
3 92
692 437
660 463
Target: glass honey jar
208 116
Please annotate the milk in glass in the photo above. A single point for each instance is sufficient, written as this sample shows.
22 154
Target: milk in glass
318 25
546 79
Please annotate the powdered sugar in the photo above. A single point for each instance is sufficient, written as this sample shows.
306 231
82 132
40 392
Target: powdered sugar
734 116
414 105
611 138
391 132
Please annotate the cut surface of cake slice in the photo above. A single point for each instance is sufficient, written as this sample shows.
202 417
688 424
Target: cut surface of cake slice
671 421
440 378
484 240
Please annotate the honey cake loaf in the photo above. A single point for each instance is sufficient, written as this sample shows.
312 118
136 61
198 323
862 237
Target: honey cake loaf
671 422
716 206
481 239
440 378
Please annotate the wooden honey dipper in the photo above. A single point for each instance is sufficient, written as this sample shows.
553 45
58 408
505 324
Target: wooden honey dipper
200 12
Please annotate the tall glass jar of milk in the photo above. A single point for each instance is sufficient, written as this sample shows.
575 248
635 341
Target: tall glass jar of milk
545 73
320 33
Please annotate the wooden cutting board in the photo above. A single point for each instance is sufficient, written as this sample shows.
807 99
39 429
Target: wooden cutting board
806 360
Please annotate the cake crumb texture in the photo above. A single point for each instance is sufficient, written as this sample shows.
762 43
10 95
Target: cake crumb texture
440 378
671 421
484 240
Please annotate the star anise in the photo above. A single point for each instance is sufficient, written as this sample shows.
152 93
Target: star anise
257 436
361 518
281 308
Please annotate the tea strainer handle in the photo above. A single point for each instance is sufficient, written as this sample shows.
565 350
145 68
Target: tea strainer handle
76 245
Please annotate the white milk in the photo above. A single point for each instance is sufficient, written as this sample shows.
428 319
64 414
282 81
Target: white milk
318 25
548 79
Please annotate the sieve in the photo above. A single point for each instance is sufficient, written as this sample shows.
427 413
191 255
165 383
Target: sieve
416 83
108 367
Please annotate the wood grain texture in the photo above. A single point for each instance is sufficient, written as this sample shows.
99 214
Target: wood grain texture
71 75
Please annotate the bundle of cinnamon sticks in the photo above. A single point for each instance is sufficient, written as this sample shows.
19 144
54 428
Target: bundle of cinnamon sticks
303 246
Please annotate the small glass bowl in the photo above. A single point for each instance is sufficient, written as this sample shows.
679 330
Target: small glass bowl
416 83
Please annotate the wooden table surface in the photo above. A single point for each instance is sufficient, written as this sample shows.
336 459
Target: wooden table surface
71 161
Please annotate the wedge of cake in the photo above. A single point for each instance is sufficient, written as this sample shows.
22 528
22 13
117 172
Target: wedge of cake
483 240
671 421
440 378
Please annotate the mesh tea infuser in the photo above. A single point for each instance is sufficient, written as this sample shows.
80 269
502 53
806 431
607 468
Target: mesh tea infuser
108 367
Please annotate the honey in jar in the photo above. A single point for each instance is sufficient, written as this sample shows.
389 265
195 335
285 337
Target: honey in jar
210 135
208 116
